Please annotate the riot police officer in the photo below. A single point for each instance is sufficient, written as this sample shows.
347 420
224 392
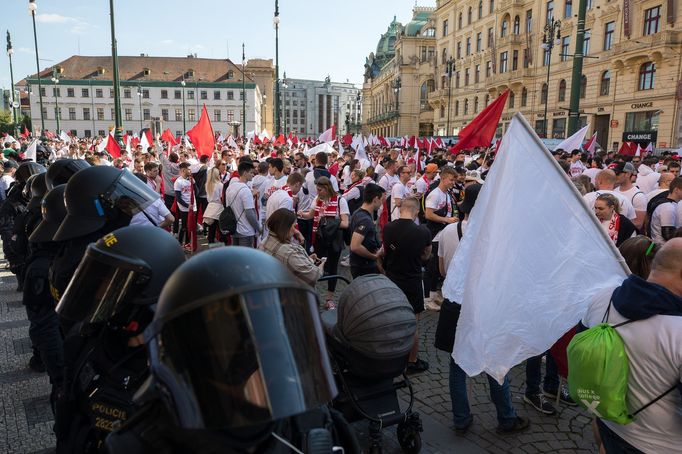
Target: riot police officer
238 364
62 170
109 301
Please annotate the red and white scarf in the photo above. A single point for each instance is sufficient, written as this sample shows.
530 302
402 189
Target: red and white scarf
614 227
324 209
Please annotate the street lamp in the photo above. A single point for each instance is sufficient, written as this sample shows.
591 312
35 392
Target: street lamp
284 98
552 28
32 7
15 117
278 113
184 122
55 81
118 132
577 71
244 93
92 104
449 66
396 88
264 113
139 95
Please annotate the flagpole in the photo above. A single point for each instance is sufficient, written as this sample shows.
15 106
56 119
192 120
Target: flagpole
275 22
244 93
32 7
118 131
10 51
576 75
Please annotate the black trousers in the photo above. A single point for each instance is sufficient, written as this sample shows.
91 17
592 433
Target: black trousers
331 266
432 277
168 200
183 237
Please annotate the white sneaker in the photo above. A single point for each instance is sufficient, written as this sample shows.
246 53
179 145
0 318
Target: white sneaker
436 297
345 261
431 305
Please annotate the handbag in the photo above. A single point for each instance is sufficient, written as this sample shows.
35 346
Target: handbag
329 232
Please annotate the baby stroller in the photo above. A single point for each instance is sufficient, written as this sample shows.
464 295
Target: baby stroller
369 339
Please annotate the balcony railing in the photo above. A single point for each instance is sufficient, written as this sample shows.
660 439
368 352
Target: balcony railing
384 117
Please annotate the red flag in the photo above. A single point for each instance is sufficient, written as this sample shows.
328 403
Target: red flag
328 135
628 149
256 140
113 147
168 136
347 140
558 352
280 141
25 134
202 136
481 130
384 142
411 141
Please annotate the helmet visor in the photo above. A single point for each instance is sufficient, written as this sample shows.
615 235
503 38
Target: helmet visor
100 286
245 359
130 194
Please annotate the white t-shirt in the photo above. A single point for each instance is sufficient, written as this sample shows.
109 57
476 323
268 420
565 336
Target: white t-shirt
449 240
437 200
272 185
399 191
626 208
239 197
279 199
654 193
310 183
184 186
422 186
577 168
654 349
592 173
387 182
636 197
343 207
157 212
665 215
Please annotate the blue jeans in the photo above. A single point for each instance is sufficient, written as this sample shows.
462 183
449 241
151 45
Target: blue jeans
500 395
534 375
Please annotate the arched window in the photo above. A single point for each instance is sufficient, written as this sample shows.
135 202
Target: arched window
445 56
505 27
647 73
562 90
583 86
517 25
442 111
466 106
456 107
492 6
480 9
487 100
524 97
511 99
459 20
469 16
605 83
543 94
476 104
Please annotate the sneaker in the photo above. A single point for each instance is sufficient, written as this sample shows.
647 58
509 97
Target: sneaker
431 305
520 424
417 367
436 297
541 404
345 261
465 428
565 397
329 305
36 364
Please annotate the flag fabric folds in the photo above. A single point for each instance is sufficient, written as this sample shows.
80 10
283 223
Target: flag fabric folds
329 135
202 136
168 136
32 151
591 145
575 142
537 286
481 130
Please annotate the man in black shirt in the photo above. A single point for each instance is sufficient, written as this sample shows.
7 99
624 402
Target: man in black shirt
365 248
407 247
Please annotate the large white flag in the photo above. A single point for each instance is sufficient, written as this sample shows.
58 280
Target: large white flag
524 281
326 147
575 142
32 151
64 137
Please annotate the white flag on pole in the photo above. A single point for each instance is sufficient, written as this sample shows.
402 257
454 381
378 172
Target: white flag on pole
232 143
32 151
326 147
536 286
575 142
64 137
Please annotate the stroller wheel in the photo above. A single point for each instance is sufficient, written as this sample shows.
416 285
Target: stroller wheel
409 435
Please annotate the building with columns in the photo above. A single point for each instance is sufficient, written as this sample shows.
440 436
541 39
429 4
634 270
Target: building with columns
156 92
630 85
310 107
399 78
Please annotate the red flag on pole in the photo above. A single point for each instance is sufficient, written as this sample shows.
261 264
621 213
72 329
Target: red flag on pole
628 149
481 130
202 136
168 136
113 147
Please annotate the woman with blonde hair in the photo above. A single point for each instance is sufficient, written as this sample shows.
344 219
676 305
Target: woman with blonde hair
618 227
214 191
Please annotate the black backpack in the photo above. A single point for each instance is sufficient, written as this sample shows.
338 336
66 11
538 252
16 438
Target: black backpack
228 220
356 203
654 203
422 204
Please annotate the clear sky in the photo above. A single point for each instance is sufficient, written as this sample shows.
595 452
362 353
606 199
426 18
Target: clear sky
316 37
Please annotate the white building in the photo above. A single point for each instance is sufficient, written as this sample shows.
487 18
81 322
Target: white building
156 92
311 106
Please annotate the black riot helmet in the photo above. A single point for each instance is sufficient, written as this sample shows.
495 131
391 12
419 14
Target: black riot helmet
102 196
119 275
37 188
26 169
62 170
237 341
54 211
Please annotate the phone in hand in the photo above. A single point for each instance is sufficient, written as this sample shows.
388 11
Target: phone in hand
320 260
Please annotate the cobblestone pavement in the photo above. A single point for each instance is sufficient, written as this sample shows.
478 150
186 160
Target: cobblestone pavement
26 419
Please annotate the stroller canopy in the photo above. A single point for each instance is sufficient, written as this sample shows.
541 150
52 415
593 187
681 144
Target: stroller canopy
375 318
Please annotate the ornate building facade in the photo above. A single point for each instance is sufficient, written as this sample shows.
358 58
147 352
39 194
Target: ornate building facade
399 78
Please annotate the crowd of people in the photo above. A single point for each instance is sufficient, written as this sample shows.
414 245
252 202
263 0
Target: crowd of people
375 210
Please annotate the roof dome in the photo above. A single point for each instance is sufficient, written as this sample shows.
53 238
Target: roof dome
386 45
419 20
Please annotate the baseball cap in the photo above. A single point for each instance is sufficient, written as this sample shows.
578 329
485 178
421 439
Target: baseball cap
621 166
430 168
474 175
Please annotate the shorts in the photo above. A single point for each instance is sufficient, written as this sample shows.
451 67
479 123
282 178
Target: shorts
414 291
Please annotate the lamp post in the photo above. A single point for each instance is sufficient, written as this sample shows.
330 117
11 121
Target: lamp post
576 75
396 88
55 81
278 113
15 117
264 113
244 92
32 7
448 72
284 98
184 122
118 132
139 95
92 110
552 29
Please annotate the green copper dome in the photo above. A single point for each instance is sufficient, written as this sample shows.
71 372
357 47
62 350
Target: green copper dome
417 23
386 46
